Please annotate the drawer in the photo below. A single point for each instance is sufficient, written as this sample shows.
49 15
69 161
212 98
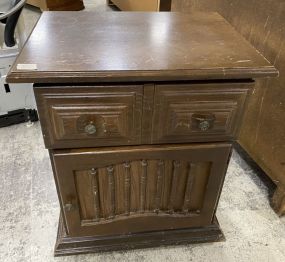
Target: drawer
198 112
123 190
90 116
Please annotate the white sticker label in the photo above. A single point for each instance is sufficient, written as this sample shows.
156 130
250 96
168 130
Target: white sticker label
27 67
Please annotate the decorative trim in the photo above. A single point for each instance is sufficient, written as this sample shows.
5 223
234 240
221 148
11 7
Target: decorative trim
160 175
127 187
176 168
95 191
189 187
120 76
110 171
143 185
278 200
66 245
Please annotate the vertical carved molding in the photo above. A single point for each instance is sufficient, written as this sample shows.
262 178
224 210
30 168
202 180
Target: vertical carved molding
188 189
176 169
160 173
127 188
111 180
95 191
143 185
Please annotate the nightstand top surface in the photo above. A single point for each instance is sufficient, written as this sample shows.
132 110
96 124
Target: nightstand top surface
136 46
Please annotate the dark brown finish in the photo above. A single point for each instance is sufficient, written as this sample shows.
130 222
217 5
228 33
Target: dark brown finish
127 187
147 190
159 184
189 188
66 245
90 116
57 5
148 99
142 186
262 23
176 171
111 187
95 190
165 5
65 5
199 46
278 201
180 111
72 172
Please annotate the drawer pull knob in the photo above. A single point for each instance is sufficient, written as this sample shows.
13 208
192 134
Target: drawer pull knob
204 121
90 129
204 125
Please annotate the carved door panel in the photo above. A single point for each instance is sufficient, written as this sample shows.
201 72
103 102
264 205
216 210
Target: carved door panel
111 191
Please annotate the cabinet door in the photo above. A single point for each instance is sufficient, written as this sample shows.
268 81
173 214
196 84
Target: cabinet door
109 191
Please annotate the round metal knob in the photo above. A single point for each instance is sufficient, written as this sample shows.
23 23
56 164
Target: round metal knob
203 121
90 129
204 125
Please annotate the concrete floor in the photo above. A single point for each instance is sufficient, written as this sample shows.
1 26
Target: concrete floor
29 212
29 206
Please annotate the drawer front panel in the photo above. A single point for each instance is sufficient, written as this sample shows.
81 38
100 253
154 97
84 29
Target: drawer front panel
137 189
198 112
90 116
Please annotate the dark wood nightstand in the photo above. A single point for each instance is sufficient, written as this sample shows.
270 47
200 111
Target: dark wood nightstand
139 112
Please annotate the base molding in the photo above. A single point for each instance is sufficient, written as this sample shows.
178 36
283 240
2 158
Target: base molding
278 201
66 245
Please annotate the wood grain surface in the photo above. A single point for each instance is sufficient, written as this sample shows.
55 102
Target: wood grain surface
113 112
112 183
178 108
137 46
66 245
262 23
165 185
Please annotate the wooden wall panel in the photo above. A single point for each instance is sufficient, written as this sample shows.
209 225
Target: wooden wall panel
263 130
